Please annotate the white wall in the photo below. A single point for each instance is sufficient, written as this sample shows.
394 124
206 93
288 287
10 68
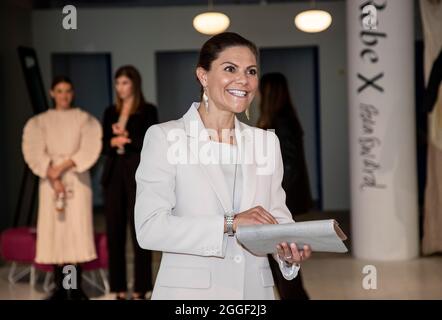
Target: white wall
134 35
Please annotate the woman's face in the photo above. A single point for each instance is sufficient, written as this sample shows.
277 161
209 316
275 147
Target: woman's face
232 81
63 94
123 87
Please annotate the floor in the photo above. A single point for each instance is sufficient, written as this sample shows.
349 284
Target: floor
326 276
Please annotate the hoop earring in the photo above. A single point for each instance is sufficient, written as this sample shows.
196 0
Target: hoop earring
206 101
247 114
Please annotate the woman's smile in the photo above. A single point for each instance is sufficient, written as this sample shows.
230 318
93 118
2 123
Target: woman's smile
237 93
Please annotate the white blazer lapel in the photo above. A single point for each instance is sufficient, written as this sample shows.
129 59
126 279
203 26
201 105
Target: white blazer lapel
198 137
244 138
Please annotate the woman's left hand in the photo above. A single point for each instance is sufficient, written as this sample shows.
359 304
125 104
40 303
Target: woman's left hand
119 131
58 186
54 172
291 254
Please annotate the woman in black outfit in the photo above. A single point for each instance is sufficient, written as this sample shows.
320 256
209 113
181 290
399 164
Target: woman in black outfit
278 112
124 126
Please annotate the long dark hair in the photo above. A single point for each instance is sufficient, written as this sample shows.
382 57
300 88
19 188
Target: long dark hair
61 79
218 43
132 73
275 101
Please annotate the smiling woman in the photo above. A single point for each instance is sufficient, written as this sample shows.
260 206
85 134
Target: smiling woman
228 77
232 84
191 212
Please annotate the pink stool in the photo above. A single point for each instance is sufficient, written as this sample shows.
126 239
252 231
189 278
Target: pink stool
17 245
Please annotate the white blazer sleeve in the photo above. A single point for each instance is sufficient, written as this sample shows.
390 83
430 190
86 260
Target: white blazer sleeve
278 207
157 228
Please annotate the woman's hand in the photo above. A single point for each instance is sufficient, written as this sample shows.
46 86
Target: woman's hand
58 186
120 141
54 172
256 215
60 193
291 254
119 131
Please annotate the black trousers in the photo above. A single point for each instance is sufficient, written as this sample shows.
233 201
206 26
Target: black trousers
119 193
287 289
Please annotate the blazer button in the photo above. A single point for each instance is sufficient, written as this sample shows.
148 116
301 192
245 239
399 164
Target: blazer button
237 258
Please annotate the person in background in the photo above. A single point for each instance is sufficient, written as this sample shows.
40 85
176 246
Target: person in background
60 146
278 113
124 126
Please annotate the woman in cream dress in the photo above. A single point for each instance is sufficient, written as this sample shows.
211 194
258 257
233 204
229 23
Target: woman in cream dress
60 146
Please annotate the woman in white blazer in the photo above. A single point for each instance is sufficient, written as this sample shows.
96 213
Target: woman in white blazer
203 175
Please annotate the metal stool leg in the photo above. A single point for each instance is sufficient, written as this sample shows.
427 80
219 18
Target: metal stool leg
13 277
47 284
92 282
12 269
33 277
105 281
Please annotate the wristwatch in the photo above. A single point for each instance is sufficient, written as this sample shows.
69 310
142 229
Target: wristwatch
229 223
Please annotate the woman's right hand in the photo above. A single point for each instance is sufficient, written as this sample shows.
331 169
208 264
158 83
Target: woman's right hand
120 141
54 172
256 215
119 131
58 186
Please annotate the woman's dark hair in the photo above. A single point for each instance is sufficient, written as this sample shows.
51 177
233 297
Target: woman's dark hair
61 79
276 102
218 43
132 73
